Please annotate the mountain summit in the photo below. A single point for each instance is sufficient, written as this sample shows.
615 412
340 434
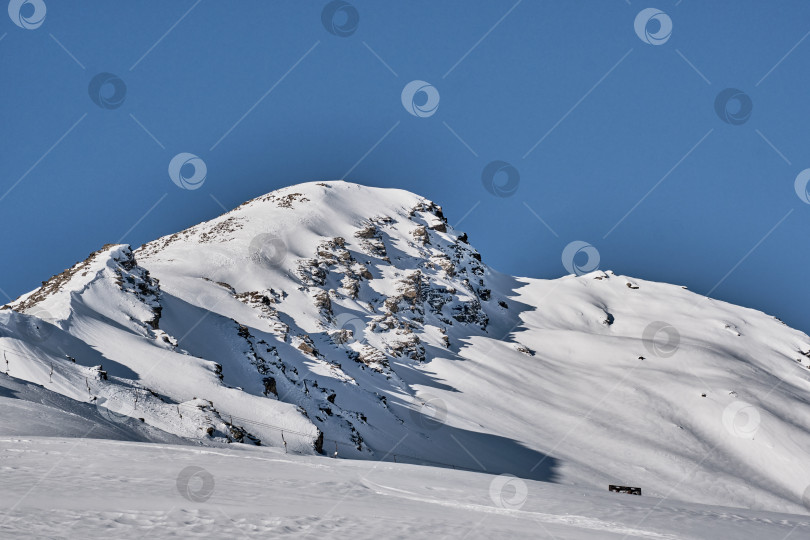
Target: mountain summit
353 321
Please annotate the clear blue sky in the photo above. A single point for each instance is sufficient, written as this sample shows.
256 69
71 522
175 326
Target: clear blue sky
266 96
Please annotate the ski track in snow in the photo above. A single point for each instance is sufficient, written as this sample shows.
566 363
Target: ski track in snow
572 521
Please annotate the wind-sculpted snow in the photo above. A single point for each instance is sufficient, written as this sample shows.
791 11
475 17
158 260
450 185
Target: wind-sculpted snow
353 321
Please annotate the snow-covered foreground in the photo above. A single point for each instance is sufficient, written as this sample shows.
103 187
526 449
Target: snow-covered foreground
82 488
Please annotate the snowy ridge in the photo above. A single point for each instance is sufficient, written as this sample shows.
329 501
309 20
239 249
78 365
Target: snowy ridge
355 319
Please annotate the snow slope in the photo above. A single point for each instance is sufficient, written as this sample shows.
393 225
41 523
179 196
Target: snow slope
104 489
331 317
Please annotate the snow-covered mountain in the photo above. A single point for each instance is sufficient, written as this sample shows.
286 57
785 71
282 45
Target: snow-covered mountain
335 318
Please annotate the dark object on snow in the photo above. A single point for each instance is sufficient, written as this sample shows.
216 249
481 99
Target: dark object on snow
270 386
102 375
319 442
625 489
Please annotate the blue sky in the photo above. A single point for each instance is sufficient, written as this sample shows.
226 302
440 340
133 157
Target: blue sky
612 136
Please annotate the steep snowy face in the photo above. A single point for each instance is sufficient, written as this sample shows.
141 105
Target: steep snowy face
92 333
327 296
335 318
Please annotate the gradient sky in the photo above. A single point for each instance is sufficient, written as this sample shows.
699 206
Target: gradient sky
614 134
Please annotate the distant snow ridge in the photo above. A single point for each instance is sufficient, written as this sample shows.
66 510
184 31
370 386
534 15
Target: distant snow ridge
340 319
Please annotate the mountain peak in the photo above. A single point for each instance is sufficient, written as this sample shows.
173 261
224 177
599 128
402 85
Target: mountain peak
332 317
